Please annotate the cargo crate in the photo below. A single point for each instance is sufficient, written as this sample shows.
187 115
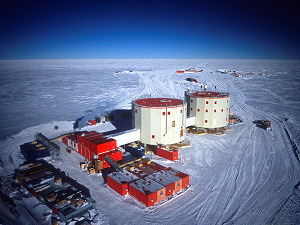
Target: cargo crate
170 154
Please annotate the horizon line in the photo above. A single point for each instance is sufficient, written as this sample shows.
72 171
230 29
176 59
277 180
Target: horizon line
145 59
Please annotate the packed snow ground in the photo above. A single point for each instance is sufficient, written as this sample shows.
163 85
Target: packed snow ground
244 177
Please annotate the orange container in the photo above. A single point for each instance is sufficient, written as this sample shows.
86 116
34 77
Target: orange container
185 177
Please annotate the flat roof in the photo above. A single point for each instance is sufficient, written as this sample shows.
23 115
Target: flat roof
158 102
164 177
147 186
209 94
123 177
177 173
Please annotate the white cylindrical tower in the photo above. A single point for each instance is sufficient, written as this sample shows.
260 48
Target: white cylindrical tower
210 109
160 120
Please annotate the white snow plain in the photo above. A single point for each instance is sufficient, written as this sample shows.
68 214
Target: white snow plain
247 176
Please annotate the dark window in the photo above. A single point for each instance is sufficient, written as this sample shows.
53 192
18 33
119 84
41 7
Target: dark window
205 121
191 100
215 110
198 110
169 113
163 113
222 110
136 111
191 109
215 102
206 110
206 102
180 111
153 136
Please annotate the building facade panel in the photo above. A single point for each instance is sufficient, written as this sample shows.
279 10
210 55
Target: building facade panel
160 124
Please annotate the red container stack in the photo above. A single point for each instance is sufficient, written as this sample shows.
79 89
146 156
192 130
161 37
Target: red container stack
93 145
119 181
172 183
170 154
147 191
153 165
185 177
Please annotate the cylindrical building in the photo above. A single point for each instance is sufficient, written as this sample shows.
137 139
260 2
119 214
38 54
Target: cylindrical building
210 109
160 120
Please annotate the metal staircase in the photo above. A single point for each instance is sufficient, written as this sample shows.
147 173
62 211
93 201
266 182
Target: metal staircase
112 162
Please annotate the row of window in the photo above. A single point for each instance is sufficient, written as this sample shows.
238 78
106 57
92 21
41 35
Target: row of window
163 113
173 125
216 102
198 110
206 121
222 110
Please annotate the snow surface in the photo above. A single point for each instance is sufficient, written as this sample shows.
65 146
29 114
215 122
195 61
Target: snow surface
247 176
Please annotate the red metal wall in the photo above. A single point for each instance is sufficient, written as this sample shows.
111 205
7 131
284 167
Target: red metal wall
147 200
122 189
97 142
170 154
101 146
155 166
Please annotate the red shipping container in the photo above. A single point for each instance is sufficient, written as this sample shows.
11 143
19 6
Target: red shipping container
142 171
88 139
115 155
185 177
146 169
92 122
155 166
104 145
146 192
65 140
172 183
80 149
119 181
83 138
137 172
170 154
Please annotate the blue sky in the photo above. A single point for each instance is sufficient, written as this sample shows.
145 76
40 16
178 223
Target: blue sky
149 29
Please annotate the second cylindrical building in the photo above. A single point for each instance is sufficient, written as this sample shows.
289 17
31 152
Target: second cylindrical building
210 109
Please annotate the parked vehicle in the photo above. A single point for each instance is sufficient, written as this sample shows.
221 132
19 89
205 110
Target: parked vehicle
265 124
